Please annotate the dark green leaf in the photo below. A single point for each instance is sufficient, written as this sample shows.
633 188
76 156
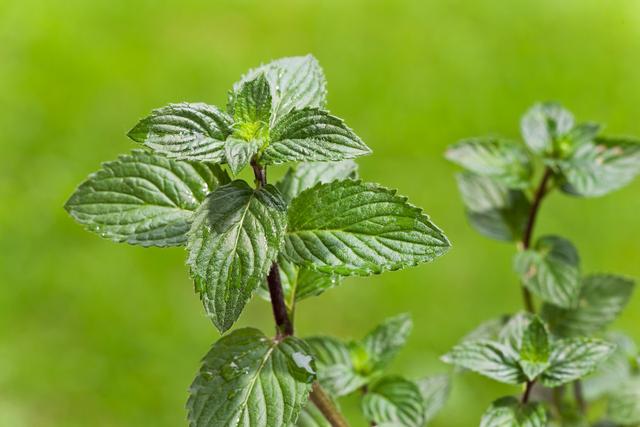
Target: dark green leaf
394 401
312 135
144 199
493 209
185 131
296 83
252 104
487 358
573 358
239 152
624 404
551 270
602 299
544 125
600 167
350 227
435 392
384 342
235 237
247 379
534 352
305 175
505 161
508 412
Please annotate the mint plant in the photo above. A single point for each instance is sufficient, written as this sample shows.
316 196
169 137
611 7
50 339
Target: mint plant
560 353
286 242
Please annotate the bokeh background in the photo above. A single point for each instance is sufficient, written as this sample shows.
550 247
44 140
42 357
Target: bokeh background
93 333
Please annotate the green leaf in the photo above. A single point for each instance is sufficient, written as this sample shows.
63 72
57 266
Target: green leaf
551 270
544 125
185 131
488 358
312 134
487 330
350 227
512 333
296 83
508 412
394 401
535 350
144 199
305 175
573 358
602 299
252 104
505 161
624 404
383 343
235 237
435 392
310 416
493 209
336 371
239 152
247 379
600 167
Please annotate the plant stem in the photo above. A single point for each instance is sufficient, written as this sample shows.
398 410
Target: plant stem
525 243
579 396
527 392
284 323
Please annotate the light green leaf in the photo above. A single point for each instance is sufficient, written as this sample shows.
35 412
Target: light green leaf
301 176
394 401
143 198
383 343
235 237
514 329
309 135
508 412
488 358
185 131
487 330
602 299
435 392
544 125
573 358
247 379
624 404
505 161
583 133
350 227
310 416
600 167
493 209
296 83
239 152
334 361
551 270
252 104
613 371
535 350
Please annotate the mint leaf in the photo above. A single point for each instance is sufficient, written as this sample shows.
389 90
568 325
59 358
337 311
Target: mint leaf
602 298
505 161
247 379
312 134
252 106
185 131
512 333
310 416
488 358
573 358
394 401
544 125
305 175
551 270
144 199
624 404
296 83
435 392
487 330
350 227
600 167
236 235
336 370
614 371
238 153
493 209
383 343
535 349
508 412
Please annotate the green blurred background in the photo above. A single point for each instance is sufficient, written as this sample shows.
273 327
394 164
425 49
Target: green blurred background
93 333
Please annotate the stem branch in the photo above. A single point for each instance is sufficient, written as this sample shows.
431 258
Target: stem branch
527 392
326 406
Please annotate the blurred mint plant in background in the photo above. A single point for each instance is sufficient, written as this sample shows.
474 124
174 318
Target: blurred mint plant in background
561 352
285 242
